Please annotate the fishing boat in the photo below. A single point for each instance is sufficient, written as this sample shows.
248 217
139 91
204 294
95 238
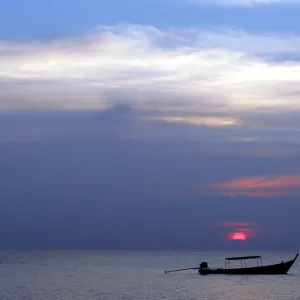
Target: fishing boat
275 269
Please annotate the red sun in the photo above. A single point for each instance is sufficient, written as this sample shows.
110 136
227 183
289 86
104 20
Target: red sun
238 235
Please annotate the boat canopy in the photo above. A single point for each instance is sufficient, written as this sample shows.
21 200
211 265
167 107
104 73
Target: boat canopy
243 257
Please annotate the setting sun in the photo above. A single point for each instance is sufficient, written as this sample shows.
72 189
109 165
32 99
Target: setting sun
239 235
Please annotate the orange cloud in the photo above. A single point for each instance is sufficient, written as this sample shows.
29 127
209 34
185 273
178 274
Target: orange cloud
261 186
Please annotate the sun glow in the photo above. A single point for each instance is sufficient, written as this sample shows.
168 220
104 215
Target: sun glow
238 235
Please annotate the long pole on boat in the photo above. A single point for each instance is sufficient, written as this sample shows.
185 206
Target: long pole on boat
178 270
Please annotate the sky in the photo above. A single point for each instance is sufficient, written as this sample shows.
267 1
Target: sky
150 124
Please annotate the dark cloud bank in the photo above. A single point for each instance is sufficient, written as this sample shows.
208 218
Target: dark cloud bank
105 180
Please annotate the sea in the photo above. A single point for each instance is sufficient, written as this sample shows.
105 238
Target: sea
137 275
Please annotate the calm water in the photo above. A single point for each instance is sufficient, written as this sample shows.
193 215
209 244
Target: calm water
113 275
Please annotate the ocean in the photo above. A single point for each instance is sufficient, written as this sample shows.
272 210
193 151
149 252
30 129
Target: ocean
137 275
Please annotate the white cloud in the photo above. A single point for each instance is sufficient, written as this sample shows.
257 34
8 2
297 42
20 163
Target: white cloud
202 121
148 66
246 2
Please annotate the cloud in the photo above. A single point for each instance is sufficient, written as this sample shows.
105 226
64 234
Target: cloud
190 78
244 139
146 66
262 186
246 2
76 178
76 159
236 224
202 121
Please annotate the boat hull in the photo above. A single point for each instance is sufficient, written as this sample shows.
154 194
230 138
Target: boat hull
276 269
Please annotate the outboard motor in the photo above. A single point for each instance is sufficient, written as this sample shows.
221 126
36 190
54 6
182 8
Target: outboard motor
204 265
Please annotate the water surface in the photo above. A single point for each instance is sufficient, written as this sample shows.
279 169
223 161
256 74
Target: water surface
136 275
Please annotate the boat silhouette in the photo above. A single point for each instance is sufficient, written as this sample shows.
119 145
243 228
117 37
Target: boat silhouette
275 269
